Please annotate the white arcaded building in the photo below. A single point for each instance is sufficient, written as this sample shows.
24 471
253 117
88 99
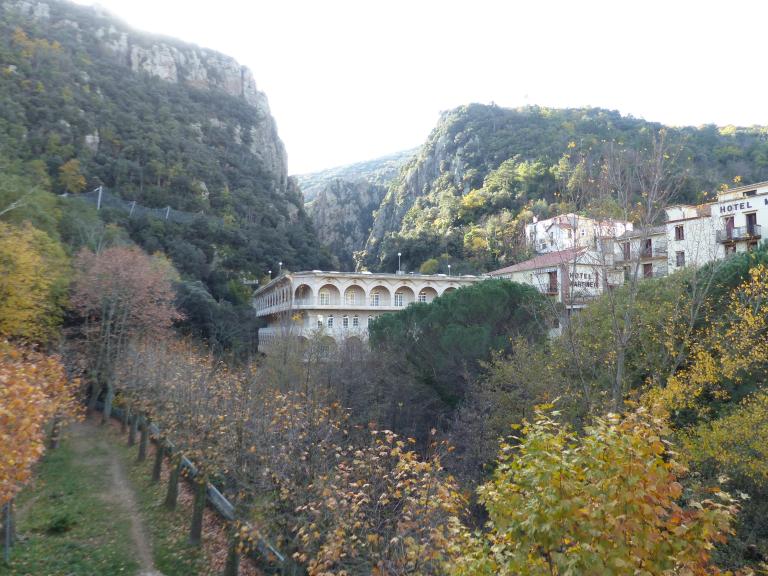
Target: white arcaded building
340 305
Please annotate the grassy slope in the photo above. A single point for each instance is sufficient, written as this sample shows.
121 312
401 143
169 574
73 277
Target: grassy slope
67 525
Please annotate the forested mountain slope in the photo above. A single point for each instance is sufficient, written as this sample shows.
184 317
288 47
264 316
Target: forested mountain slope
158 121
485 170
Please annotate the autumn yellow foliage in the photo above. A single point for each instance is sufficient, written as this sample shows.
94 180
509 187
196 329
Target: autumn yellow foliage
608 501
33 390
725 353
33 281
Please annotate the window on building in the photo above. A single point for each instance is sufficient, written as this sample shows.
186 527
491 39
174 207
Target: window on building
330 321
647 248
325 297
752 223
398 298
375 298
345 321
679 232
355 322
730 249
370 319
626 250
552 287
729 226
319 321
648 270
422 297
350 298
751 246
680 258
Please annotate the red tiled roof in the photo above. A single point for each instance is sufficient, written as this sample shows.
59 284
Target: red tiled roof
541 261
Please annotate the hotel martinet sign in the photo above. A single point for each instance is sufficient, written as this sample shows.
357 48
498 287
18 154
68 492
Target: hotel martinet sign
736 206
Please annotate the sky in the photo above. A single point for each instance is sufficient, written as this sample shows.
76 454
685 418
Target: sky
353 80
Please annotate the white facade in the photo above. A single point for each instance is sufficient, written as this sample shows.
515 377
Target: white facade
572 277
643 253
340 305
691 236
571 231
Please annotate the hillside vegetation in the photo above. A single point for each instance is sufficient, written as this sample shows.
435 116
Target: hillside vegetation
485 171
86 101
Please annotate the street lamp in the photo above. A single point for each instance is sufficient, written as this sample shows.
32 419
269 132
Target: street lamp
279 268
398 261
270 274
449 269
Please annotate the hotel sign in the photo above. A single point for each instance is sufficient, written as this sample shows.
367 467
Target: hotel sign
737 206
582 280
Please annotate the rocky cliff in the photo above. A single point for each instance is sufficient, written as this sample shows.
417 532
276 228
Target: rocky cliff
341 202
343 214
158 121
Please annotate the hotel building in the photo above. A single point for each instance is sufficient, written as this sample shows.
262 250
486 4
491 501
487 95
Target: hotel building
341 305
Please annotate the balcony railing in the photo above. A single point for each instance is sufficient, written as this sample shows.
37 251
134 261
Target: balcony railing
739 233
656 251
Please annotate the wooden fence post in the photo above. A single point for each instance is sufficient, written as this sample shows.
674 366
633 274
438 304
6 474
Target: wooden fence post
232 567
196 528
143 438
173 484
134 423
158 467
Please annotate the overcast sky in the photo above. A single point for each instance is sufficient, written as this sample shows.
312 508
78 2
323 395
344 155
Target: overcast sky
352 80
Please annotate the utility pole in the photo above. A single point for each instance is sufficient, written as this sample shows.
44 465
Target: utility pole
98 201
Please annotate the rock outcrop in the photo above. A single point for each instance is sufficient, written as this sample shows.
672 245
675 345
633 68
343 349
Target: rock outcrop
343 214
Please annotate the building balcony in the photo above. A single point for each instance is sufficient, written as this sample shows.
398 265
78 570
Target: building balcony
739 233
656 251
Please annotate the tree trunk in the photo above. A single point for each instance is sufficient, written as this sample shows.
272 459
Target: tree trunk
53 439
172 495
124 421
143 438
7 531
134 424
158 467
618 386
232 567
108 397
95 391
196 529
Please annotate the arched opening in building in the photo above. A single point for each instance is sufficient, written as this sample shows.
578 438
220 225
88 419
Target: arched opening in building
328 295
426 295
379 296
303 295
404 296
354 296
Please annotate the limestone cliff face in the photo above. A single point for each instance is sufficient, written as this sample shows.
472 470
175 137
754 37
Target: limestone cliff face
343 214
176 62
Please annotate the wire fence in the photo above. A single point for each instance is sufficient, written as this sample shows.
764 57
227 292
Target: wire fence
103 198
